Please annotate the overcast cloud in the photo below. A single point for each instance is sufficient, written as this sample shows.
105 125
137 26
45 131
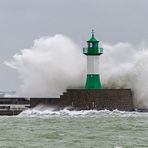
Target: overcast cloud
22 21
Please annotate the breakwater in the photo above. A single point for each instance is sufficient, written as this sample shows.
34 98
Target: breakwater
76 99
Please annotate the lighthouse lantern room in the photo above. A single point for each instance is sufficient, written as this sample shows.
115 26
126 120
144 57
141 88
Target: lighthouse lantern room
93 51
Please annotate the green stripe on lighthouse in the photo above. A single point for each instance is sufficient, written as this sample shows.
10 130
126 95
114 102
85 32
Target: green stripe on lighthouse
93 81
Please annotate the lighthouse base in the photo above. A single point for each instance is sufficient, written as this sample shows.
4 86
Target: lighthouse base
93 81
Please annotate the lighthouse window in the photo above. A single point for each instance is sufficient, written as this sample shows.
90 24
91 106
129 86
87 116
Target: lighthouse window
96 45
90 44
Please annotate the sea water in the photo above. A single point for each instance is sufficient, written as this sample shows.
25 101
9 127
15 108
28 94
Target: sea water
74 129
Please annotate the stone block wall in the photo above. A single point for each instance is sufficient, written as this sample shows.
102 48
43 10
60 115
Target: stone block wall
81 99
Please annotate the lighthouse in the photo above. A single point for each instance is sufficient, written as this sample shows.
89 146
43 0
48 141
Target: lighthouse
93 51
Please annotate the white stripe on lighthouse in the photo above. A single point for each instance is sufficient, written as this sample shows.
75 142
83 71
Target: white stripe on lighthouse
92 64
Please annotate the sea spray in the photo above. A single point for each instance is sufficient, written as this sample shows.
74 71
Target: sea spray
48 68
126 66
56 63
48 111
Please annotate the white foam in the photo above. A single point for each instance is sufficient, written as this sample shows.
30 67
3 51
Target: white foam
49 67
42 111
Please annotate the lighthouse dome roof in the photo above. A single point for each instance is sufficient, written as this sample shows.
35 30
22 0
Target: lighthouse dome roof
92 39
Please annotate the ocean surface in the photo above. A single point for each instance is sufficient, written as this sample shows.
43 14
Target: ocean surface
74 129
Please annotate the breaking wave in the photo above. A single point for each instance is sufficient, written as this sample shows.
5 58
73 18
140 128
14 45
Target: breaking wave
42 111
56 63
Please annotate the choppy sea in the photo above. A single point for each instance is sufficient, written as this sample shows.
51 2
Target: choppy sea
47 128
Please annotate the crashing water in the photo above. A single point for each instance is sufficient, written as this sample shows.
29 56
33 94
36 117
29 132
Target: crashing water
49 67
56 63
42 111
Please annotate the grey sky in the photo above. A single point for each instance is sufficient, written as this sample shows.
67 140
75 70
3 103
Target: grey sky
22 21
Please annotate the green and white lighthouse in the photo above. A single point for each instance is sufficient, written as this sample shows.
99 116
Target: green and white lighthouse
93 51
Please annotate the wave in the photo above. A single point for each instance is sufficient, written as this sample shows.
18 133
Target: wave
41 111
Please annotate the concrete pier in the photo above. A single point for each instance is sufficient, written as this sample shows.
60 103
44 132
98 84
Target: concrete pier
13 106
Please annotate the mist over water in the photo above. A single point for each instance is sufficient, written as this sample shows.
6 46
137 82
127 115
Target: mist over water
56 63
126 66
49 67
